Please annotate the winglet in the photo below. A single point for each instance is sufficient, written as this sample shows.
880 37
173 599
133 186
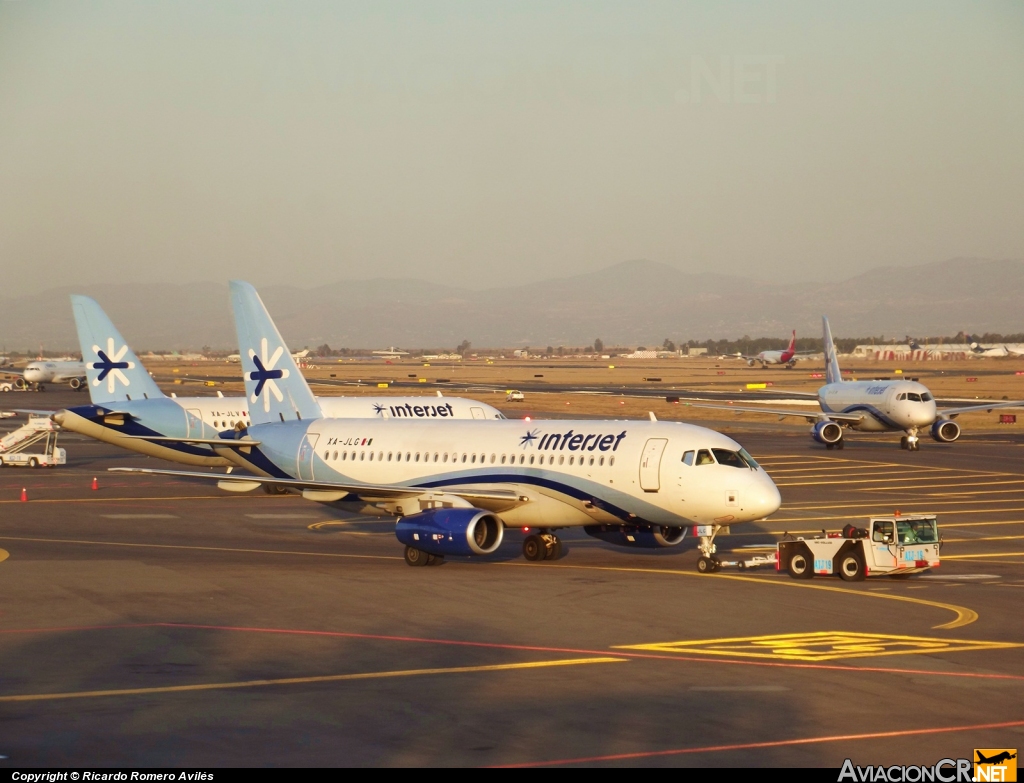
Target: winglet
114 371
274 387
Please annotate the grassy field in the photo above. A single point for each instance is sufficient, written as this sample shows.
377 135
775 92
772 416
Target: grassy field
984 379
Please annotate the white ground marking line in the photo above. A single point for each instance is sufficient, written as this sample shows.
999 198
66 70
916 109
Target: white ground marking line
139 516
281 516
739 688
958 577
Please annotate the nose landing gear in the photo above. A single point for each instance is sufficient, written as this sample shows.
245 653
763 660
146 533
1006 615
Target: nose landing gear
708 562
910 441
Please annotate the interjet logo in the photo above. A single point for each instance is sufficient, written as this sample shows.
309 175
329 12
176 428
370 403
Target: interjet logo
265 375
110 366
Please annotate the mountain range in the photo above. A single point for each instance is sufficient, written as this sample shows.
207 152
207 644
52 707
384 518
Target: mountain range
631 303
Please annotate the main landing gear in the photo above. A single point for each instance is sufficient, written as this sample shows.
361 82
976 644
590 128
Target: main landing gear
708 562
910 441
417 557
837 445
542 546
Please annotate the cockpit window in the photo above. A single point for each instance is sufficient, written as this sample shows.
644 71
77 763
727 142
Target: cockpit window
704 457
913 396
902 396
926 397
748 459
688 458
730 458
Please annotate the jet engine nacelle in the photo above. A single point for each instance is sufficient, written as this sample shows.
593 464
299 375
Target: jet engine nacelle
945 430
20 383
750 362
644 537
76 383
451 531
827 432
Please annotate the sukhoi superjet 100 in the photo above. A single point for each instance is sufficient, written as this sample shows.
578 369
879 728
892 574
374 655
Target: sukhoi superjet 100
456 485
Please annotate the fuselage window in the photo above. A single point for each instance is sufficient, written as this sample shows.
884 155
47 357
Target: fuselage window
371 456
502 459
532 458
561 459
704 457
407 456
389 456
362 456
571 458
344 454
601 461
380 456
688 458
445 456
398 456
327 456
590 461
522 458
435 456
353 458
463 457
417 456
730 458
232 423
493 457
335 456
472 458
611 461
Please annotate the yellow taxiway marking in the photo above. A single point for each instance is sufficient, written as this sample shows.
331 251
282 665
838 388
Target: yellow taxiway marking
4 554
973 557
947 487
199 548
964 616
212 686
945 513
162 498
981 538
819 646
832 480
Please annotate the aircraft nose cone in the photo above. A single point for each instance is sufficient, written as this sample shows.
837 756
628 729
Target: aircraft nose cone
765 498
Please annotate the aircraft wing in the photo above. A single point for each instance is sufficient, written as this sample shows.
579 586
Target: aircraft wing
979 407
811 416
376 491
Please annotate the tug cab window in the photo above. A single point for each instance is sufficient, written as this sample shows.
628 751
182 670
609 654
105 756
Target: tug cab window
730 458
704 457
916 531
882 532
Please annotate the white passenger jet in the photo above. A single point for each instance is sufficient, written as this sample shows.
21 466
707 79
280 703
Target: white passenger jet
456 485
37 374
786 357
129 410
873 406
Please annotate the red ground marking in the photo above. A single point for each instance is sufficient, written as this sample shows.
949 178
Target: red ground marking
758 745
526 648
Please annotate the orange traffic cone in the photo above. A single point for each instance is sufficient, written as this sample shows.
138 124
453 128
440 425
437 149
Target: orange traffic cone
24 495
95 483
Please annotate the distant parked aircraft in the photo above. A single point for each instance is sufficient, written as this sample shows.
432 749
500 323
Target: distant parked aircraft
786 357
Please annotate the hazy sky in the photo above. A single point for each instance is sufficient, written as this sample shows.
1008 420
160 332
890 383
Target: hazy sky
481 143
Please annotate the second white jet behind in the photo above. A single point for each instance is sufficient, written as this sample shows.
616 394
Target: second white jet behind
873 406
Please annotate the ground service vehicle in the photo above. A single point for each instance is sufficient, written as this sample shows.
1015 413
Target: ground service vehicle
514 396
897 545
39 429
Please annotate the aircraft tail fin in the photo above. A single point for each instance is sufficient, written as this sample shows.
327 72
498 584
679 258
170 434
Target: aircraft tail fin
792 343
832 372
275 388
113 370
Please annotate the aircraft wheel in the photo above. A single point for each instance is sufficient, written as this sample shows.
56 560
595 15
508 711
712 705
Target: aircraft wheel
534 548
851 567
840 444
555 553
435 560
716 564
416 557
705 566
1 462
903 442
915 445
800 565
